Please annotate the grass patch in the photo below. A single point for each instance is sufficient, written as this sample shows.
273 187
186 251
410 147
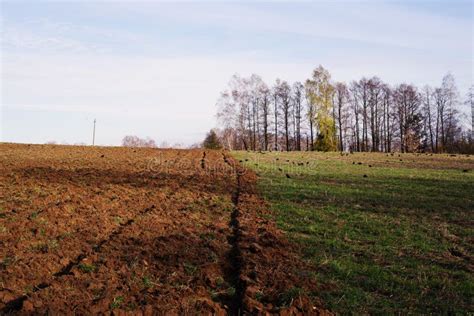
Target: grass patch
117 302
118 220
190 269
87 268
385 236
147 282
7 261
287 297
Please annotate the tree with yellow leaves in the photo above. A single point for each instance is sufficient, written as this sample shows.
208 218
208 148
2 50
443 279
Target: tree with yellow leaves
321 92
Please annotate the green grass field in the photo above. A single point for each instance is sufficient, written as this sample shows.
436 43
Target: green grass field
386 233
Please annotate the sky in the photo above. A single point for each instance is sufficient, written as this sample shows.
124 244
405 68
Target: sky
156 68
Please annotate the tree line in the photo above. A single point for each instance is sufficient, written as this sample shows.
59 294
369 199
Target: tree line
320 114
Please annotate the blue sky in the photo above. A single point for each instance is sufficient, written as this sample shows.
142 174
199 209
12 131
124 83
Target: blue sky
156 68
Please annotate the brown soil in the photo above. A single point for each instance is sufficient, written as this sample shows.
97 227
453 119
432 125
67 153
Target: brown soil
142 231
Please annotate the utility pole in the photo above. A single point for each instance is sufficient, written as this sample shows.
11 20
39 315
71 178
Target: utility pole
93 135
471 100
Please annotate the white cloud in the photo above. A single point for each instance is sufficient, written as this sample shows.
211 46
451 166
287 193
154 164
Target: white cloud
365 21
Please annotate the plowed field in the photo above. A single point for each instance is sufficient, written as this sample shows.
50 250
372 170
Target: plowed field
92 230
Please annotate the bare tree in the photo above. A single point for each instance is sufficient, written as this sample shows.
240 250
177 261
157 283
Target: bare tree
342 97
451 128
361 99
311 112
356 111
284 94
255 84
427 102
375 96
387 122
234 110
265 107
298 99
446 99
276 100
407 102
470 102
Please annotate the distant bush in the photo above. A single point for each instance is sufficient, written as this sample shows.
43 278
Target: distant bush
135 141
211 141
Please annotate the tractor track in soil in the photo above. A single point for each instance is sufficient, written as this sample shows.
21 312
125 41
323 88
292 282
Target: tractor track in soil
260 256
234 256
203 160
